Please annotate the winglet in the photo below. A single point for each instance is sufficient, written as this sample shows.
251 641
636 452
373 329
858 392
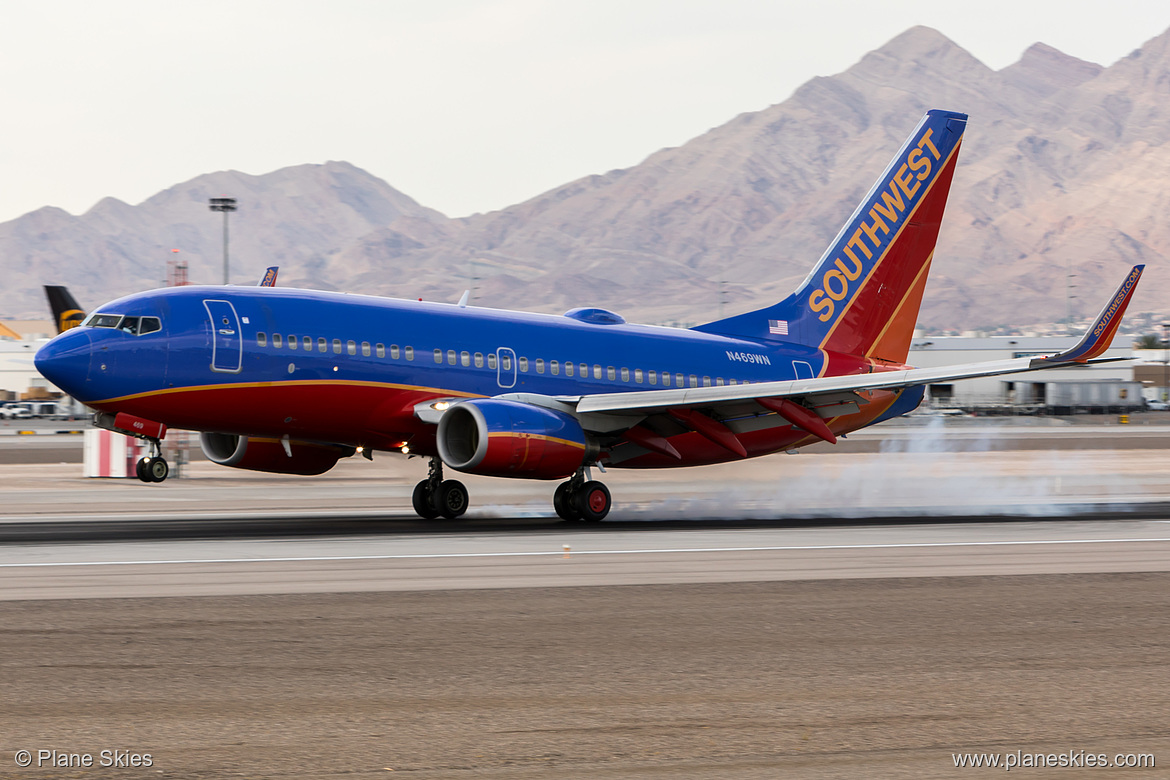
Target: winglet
269 279
1098 338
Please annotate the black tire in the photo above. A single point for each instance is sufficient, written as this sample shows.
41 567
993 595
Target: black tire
140 470
452 500
424 505
563 502
592 501
157 469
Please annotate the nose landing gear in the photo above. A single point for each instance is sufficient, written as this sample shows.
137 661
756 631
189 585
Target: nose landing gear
582 498
435 496
153 468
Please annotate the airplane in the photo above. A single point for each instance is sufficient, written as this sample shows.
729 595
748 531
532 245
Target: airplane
67 312
290 381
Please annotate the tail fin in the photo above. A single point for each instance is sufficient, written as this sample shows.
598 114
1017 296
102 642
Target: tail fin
1099 336
66 312
862 298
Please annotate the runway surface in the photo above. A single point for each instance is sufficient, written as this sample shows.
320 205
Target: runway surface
742 621
565 557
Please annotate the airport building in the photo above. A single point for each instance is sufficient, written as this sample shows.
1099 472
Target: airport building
1060 390
19 342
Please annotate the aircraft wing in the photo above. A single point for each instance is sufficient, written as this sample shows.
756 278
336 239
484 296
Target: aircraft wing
659 400
1096 340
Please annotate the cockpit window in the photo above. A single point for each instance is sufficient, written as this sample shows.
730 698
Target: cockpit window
135 326
104 320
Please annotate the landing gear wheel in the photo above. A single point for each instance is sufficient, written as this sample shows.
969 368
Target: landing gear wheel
452 499
157 469
422 499
592 501
563 502
140 470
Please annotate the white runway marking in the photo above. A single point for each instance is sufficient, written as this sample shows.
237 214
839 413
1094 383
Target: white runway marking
561 553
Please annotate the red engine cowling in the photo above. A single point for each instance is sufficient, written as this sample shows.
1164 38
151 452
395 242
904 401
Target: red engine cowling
511 439
260 454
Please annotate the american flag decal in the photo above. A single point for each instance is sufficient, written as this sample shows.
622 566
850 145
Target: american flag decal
778 327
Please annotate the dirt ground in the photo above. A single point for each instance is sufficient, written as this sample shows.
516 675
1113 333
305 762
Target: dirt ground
820 679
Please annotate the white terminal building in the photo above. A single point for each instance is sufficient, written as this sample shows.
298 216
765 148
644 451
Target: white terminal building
1102 386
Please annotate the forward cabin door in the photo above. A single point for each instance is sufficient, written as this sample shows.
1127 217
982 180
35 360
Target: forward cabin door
227 345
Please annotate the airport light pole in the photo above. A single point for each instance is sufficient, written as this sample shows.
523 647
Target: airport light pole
1166 361
226 205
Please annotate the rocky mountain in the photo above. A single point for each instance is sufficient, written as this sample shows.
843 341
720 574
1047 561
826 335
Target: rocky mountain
1061 172
1058 175
296 217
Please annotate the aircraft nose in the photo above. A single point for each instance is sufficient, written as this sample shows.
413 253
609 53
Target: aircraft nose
64 361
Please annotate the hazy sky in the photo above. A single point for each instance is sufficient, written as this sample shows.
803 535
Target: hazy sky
464 105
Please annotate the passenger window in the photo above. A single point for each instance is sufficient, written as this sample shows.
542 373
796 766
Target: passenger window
523 364
365 349
625 375
465 358
568 368
706 381
439 356
666 379
585 370
307 343
719 381
596 371
149 325
539 366
292 342
679 380
731 381
451 357
380 350
554 368
506 362
409 353
694 381
637 376
394 351
277 340
262 339
479 360
652 377
321 345
610 373
351 347
492 361
337 346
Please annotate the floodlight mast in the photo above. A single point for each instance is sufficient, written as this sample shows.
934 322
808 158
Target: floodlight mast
226 205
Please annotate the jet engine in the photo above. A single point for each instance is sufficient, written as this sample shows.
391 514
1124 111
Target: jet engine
262 454
511 439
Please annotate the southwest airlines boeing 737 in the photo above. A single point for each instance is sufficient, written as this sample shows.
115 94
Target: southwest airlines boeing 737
290 381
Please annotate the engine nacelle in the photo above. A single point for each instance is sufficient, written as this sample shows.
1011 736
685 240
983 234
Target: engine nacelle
511 439
260 454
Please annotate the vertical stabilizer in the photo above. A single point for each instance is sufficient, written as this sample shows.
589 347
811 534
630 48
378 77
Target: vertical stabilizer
863 296
66 312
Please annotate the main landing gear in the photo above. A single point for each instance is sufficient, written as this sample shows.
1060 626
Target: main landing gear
582 498
436 496
153 468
